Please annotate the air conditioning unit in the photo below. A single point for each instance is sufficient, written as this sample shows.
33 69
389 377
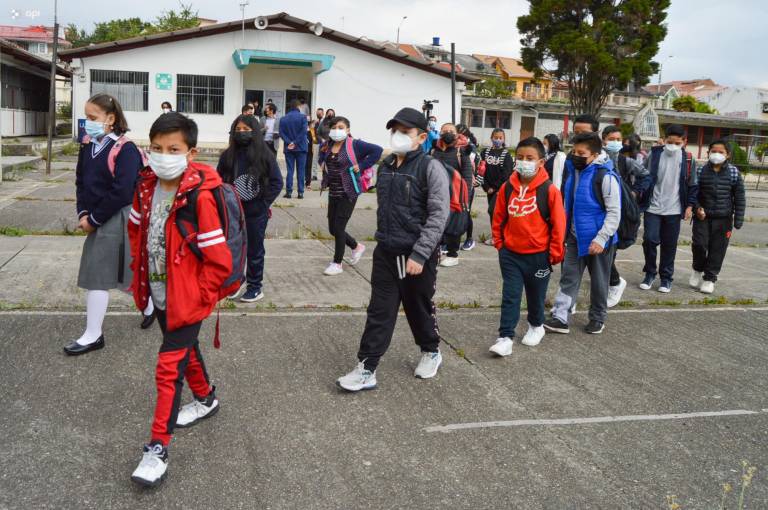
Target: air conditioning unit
765 107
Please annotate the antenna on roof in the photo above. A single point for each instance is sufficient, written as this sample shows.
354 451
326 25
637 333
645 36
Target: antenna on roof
243 5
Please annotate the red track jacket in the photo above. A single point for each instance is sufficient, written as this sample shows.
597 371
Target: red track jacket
192 285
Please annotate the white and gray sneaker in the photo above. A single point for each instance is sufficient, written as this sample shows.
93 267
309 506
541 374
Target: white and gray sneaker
615 292
428 365
533 336
153 466
357 254
358 379
197 410
502 347
333 269
695 280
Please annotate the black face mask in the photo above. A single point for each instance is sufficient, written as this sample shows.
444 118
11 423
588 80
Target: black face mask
243 138
579 162
448 138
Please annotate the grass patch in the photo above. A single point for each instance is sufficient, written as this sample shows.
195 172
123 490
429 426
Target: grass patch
18 232
228 304
447 305
707 301
683 242
13 231
370 239
460 353
319 235
71 149
473 214
483 237
29 199
743 301
342 308
669 302
627 304
5 306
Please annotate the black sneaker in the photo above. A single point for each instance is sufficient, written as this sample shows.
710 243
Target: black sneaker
557 326
594 327
287 195
301 195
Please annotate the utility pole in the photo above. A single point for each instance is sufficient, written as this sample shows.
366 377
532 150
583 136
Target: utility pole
243 5
453 83
52 91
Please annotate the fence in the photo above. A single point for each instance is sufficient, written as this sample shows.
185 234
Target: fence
750 155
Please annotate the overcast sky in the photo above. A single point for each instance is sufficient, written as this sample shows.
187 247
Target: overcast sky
707 38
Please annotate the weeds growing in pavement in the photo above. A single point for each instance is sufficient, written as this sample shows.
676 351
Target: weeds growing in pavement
473 214
228 304
743 301
670 302
342 308
745 481
483 237
369 239
627 304
319 235
13 231
721 300
447 305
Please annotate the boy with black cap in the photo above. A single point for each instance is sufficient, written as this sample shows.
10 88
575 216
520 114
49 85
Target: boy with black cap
413 206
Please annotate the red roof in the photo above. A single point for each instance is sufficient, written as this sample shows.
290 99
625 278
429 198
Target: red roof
31 33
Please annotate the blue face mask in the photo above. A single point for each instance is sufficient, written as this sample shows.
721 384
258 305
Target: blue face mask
94 129
614 146
497 143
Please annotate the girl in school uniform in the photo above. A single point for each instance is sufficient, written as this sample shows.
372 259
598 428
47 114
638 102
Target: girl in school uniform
250 165
107 168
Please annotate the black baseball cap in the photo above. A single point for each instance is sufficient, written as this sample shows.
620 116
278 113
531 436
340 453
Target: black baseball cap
409 117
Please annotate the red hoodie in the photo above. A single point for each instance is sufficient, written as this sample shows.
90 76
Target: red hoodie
192 285
524 230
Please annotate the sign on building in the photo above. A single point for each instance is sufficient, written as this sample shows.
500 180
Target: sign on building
163 81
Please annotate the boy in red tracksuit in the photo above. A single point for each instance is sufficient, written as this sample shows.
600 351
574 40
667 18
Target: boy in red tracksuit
184 287
528 230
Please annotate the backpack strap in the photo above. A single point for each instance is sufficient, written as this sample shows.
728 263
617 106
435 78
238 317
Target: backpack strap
689 164
351 151
542 202
597 185
506 188
622 161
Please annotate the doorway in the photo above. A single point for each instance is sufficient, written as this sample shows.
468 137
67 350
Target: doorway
527 127
290 95
252 95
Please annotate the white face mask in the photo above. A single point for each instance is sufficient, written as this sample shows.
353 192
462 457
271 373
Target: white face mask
400 143
166 110
168 166
671 147
526 168
337 135
717 158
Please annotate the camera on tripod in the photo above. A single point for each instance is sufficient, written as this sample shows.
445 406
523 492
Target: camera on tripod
428 106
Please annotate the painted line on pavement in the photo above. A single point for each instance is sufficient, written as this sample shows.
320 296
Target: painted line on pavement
588 421
362 312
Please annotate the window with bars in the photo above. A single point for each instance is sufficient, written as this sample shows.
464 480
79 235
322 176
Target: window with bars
200 94
498 119
130 88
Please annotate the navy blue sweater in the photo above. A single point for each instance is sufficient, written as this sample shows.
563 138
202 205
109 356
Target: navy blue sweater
99 194
267 194
293 130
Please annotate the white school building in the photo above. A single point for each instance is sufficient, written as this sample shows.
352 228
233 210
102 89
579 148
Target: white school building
209 72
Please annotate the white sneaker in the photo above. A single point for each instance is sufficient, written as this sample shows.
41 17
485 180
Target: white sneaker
449 261
358 379
333 269
195 411
357 254
153 466
428 365
707 287
695 279
502 347
533 336
488 242
615 293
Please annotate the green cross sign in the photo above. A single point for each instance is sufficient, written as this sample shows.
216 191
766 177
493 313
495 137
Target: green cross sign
163 81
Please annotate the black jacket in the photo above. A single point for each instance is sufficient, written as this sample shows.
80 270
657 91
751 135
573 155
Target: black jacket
499 164
450 158
413 205
721 194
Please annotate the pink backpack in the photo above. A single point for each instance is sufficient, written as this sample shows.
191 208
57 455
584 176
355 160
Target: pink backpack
366 174
115 150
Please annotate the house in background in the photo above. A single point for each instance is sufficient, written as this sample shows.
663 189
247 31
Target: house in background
25 80
209 72
741 102
523 84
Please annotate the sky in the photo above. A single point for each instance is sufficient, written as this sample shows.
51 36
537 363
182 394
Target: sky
706 38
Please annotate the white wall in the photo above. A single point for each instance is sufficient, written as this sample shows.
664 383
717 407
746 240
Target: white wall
15 122
366 88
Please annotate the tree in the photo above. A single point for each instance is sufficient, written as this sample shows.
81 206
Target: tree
691 104
117 29
494 87
595 46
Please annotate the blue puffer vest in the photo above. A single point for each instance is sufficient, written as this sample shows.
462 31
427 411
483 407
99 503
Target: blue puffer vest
586 212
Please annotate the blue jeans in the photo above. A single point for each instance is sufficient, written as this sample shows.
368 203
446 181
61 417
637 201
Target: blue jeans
297 161
520 271
664 231
256 218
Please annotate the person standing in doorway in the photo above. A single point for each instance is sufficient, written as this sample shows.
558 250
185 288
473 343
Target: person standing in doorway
271 128
252 168
342 178
413 205
720 203
304 107
667 202
293 131
108 165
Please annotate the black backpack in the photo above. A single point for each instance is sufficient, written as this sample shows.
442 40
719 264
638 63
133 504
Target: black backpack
630 211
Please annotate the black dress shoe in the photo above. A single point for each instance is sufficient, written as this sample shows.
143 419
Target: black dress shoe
301 195
75 349
287 195
148 320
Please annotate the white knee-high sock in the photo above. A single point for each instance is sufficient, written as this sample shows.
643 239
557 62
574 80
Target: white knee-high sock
96 302
150 309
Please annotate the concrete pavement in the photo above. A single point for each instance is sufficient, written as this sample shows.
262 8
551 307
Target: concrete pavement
610 421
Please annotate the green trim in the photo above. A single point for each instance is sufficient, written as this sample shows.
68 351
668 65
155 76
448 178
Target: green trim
243 58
